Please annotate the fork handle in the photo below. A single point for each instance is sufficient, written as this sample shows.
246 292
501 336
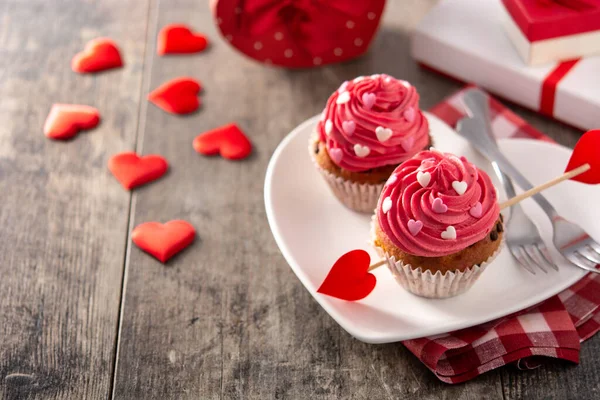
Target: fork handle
478 130
508 168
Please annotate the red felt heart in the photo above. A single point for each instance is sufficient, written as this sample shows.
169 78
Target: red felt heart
349 278
587 150
163 241
98 55
179 39
132 170
65 120
178 96
299 34
227 140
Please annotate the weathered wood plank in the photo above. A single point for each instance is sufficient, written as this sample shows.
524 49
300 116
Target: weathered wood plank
63 218
558 379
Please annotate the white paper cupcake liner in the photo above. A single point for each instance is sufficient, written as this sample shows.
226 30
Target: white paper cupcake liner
434 286
361 197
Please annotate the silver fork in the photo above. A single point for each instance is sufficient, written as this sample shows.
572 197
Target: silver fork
521 235
569 238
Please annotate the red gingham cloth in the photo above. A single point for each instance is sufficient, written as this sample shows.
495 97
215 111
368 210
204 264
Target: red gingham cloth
553 328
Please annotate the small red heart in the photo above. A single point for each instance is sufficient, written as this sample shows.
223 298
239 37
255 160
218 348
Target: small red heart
65 120
179 39
228 140
132 170
163 241
587 150
349 278
178 96
98 55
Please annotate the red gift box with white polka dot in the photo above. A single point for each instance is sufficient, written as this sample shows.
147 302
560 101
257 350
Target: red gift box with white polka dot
299 33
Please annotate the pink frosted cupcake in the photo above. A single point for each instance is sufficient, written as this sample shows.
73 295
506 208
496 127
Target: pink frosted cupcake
438 224
369 126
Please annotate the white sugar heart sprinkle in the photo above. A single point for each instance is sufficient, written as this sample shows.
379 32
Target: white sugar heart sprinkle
343 87
423 178
328 127
358 79
449 233
383 134
459 187
374 76
386 205
405 84
343 98
392 179
361 151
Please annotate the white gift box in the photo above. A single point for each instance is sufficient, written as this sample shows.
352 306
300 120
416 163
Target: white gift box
466 40
553 30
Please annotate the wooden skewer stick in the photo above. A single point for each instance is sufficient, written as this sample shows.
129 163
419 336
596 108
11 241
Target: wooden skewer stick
377 265
567 175
523 196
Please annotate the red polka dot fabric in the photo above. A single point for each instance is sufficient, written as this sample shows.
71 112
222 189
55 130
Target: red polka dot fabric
299 33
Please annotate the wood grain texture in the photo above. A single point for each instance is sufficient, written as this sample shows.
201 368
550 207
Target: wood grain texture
226 318
63 218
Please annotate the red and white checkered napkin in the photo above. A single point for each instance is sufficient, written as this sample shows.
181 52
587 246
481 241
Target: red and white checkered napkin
553 328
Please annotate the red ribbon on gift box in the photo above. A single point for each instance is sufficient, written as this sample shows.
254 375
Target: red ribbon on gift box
550 83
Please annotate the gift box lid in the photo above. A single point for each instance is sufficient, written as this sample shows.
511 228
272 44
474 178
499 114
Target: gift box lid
547 19
465 39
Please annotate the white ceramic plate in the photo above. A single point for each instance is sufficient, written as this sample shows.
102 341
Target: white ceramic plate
313 230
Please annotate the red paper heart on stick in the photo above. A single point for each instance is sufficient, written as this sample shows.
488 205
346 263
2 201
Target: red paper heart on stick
132 170
178 96
299 34
349 278
179 39
65 120
99 55
227 140
587 151
163 241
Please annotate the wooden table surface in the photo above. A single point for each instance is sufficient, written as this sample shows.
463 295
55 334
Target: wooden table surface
86 315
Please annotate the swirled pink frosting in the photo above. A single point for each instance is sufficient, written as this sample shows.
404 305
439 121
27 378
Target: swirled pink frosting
414 216
372 122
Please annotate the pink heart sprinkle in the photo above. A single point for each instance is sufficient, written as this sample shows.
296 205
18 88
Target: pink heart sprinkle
409 114
348 127
336 155
368 100
407 143
476 210
414 226
439 206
